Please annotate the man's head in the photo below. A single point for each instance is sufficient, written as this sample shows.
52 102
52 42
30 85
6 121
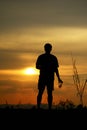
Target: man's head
47 47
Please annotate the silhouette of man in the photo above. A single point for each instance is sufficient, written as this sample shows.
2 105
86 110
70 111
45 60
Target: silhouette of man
48 65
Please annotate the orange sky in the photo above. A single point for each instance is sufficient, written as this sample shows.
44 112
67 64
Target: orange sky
24 29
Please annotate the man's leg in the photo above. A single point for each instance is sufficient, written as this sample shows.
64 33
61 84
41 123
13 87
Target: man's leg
39 96
50 98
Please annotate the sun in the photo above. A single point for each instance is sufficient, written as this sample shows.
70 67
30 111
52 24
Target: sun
30 71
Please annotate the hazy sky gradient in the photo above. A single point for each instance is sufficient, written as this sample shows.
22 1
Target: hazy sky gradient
24 13
25 25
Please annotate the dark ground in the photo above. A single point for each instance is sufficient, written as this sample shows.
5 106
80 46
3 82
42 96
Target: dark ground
44 118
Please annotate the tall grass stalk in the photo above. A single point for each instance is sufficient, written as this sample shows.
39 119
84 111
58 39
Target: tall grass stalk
80 87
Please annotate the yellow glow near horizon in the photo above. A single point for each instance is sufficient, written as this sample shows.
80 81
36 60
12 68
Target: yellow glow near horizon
26 71
64 70
30 71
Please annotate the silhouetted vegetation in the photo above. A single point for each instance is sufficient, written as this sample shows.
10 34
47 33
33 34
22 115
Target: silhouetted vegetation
80 87
61 106
64 115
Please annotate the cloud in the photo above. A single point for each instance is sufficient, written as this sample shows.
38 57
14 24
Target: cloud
18 14
16 59
15 86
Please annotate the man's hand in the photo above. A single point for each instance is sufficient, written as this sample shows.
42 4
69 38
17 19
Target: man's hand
60 82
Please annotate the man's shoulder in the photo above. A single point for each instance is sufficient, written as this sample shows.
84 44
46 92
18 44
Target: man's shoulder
41 55
44 55
53 56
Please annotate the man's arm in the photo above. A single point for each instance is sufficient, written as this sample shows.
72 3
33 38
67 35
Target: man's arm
38 66
57 74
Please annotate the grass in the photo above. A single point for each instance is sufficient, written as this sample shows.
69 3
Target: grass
67 105
80 87
64 115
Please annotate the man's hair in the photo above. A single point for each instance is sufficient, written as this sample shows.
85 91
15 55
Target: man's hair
48 47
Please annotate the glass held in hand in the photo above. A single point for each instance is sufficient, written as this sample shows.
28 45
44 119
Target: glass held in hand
60 84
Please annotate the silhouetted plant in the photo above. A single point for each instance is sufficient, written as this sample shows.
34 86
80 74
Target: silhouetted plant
80 87
6 102
19 104
68 104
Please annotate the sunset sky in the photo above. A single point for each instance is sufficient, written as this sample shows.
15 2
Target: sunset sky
25 26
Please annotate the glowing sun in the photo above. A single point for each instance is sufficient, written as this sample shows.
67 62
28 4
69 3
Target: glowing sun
30 71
